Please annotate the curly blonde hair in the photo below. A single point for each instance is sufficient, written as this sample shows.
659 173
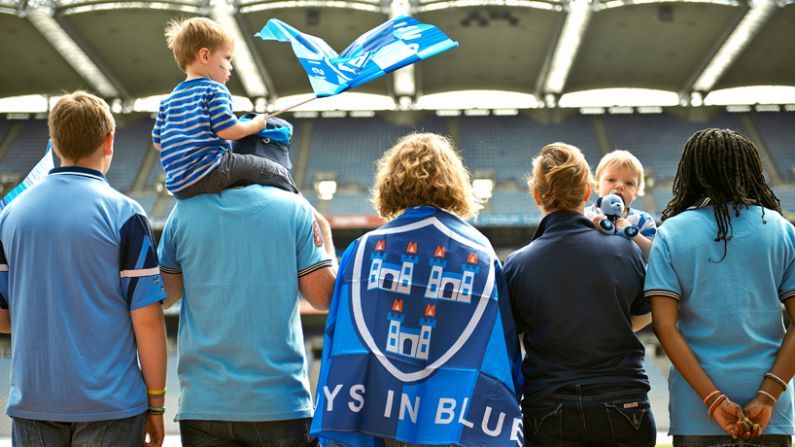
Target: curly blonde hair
185 37
423 169
561 176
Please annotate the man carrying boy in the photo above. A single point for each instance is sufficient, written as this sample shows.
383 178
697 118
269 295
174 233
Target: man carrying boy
195 123
79 280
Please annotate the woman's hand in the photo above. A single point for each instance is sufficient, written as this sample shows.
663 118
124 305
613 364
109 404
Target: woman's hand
758 411
728 415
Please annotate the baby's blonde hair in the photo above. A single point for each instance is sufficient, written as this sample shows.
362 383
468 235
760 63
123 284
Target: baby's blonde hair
423 169
185 37
561 177
622 159
79 123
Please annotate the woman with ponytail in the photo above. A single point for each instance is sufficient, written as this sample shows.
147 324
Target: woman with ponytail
577 295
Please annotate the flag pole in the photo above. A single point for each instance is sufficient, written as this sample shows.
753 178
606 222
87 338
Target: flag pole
275 114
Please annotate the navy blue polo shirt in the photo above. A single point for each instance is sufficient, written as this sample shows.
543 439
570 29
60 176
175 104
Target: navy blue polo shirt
573 290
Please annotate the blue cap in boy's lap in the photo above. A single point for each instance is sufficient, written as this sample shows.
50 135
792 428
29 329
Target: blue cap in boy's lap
272 142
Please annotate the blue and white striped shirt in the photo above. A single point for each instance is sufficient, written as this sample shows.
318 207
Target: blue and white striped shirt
186 129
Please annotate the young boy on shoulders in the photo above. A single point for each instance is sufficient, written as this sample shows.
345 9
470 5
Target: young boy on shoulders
621 172
79 282
195 123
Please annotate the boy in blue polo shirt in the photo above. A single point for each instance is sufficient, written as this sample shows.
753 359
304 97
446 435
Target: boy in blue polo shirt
195 123
79 280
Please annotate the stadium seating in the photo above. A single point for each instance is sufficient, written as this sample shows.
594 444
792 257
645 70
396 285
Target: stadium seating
778 132
657 140
131 144
27 149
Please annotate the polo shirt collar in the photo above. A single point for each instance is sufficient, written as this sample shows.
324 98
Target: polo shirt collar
79 170
562 221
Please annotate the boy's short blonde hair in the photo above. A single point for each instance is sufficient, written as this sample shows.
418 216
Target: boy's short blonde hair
78 124
623 159
423 169
561 177
185 37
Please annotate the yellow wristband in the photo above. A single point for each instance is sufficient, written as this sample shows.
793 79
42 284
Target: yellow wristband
156 393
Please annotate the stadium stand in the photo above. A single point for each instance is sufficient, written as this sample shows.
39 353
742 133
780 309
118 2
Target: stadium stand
130 146
778 133
351 204
657 140
508 144
27 148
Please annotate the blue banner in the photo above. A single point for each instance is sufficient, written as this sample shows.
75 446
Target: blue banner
35 175
419 343
385 48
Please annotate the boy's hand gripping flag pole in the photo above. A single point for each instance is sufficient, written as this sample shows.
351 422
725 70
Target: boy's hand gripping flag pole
393 44
35 175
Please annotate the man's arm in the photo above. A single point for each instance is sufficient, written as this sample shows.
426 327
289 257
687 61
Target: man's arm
175 288
5 321
150 336
318 286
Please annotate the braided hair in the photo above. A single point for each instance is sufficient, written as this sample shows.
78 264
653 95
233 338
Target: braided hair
724 166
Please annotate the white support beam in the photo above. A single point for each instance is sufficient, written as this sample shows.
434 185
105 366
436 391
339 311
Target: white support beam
577 19
404 78
71 52
756 16
243 60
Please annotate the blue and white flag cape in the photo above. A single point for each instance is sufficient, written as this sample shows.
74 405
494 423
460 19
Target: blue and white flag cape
419 344
385 48
35 175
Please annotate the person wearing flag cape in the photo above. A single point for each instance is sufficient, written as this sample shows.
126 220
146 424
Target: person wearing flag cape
420 346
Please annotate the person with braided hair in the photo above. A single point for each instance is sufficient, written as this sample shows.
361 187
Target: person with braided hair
721 267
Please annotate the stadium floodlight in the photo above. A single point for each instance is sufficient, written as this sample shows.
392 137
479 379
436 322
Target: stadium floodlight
757 94
71 52
758 14
483 188
295 4
617 97
244 60
568 43
439 5
326 189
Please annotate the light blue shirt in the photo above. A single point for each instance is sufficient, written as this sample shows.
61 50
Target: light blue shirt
730 309
77 256
241 347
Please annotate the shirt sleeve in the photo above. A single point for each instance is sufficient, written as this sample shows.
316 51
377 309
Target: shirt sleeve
661 278
139 273
3 278
219 106
787 288
310 246
647 225
158 125
167 249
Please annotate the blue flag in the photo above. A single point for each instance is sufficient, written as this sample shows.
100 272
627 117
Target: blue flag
35 175
385 48
420 345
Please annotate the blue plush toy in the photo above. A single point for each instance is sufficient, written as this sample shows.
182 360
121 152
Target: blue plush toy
612 206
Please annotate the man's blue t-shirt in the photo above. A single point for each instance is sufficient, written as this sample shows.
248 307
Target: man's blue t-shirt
729 307
241 347
77 256
573 291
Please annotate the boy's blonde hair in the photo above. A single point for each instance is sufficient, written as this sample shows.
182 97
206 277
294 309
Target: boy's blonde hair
78 124
423 169
561 177
185 37
622 159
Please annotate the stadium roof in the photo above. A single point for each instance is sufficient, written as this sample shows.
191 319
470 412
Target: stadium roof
543 48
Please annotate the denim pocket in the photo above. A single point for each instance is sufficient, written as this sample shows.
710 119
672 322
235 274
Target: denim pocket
543 415
632 412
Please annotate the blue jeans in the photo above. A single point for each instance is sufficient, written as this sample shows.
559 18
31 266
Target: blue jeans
590 415
727 441
290 433
127 432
